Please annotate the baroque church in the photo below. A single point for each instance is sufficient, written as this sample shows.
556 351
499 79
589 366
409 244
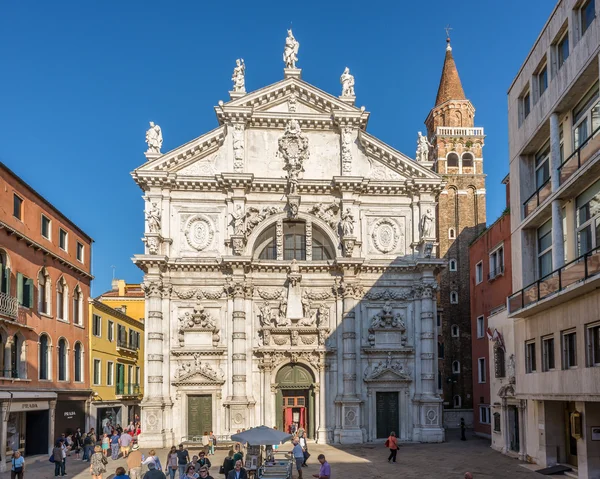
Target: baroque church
291 269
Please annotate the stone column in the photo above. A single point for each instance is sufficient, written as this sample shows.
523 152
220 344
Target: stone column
5 411
308 227
428 381
505 426
322 431
153 403
51 424
522 445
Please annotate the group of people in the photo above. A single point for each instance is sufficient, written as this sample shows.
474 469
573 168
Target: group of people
194 467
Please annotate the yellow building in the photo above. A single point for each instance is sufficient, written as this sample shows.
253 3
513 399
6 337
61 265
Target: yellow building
126 297
116 362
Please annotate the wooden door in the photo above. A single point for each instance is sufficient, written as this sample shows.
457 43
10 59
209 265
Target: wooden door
387 413
571 442
199 415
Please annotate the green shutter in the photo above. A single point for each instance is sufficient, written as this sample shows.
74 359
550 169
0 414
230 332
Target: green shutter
20 288
6 280
29 286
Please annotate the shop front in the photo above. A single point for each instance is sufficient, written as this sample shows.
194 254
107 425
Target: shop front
71 413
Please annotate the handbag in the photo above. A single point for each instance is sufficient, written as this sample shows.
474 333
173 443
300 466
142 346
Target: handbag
221 470
104 460
51 459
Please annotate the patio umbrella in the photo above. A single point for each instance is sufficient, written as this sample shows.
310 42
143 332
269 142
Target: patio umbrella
261 436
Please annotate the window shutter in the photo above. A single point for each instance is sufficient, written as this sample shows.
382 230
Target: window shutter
6 280
20 288
29 286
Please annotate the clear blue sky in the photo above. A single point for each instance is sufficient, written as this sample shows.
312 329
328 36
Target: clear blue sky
81 79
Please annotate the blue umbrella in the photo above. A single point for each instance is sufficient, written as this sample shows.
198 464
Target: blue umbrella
261 436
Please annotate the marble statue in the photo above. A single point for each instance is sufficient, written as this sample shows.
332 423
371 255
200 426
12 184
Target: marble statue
239 76
347 81
153 217
265 315
423 146
305 305
426 225
238 220
154 138
347 223
290 52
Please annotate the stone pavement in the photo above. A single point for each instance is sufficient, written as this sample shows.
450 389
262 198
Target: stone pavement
449 460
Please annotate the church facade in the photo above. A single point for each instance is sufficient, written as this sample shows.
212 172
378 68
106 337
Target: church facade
290 273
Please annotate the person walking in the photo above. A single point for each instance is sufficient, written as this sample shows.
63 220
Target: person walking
392 445
17 465
114 446
325 471
125 441
171 462
203 473
120 474
303 445
98 463
298 454
134 462
87 447
463 428
77 443
228 464
212 443
105 444
58 459
183 458
238 472
190 472
153 472
203 461
152 459
63 451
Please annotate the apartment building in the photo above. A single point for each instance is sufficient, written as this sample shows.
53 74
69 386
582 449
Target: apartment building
554 121
45 262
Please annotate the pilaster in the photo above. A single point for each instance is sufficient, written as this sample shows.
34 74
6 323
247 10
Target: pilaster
4 411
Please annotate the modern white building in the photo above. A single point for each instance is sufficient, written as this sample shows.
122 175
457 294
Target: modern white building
289 274
554 120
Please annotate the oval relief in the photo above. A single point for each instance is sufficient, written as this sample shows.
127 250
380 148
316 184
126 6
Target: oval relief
199 232
385 235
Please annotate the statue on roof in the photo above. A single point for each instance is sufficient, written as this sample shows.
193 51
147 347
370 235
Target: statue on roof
347 81
423 146
238 78
290 52
154 138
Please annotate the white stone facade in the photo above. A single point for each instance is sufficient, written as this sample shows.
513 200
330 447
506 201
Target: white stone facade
290 173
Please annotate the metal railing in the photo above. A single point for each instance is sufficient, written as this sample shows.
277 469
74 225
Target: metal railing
9 374
496 272
578 158
221 439
9 306
580 269
127 389
123 343
537 198
458 131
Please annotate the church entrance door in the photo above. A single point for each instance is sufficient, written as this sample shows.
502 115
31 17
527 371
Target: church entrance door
295 399
199 416
388 418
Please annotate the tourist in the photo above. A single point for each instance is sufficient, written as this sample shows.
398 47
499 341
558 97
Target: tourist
125 441
298 454
87 447
190 472
463 428
171 462
120 474
119 429
152 459
17 465
69 442
392 445
134 462
98 463
183 458
154 473
212 444
63 451
303 445
59 465
131 427
325 471
77 443
93 436
239 455
107 429
228 464
203 473
203 461
105 444
114 446
205 441
238 472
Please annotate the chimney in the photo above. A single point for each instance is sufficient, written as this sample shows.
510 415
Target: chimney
115 285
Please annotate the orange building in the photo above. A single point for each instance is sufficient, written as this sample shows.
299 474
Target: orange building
45 264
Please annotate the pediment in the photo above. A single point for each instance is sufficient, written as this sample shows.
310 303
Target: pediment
388 375
198 378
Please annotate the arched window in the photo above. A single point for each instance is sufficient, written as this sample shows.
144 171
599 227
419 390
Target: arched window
455 331
453 297
62 303
293 244
452 265
44 291
15 356
455 367
62 359
4 273
499 364
77 306
78 357
451 233
457 401
452 160
467 160
44 360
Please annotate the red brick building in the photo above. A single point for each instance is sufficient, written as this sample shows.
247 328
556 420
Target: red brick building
491 284
45 264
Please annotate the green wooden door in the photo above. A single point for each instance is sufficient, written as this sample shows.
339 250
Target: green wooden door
120 378
388 414
199 415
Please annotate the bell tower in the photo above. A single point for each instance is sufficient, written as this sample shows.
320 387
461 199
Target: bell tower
457 156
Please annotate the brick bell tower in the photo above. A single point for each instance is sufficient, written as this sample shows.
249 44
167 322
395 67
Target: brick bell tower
457 156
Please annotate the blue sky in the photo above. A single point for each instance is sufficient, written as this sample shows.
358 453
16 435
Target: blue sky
81 80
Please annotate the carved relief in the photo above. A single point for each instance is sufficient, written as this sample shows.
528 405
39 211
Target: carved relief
279 240
238 148
346 137
327 213
385 235
153 218
189 368
292 103
153 244
254 216
381 172
198 320
199 232
381 367
389 294
386 319
269 295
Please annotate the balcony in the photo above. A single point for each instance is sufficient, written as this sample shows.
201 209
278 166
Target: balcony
458 131
127 389
9 374
535 200
9 306
127 346
573 275
499 271
580 157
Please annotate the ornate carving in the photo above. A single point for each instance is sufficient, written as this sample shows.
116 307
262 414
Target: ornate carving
293 147
238 77
210 294
237 221
348 246
199 232
238 288
385 235
153 244
152 288
423 146
292 103
387 319
238 147
155 379
350 290
388 365
308 339
389 294
254 216
427 335
318 295
347 223
431 417
425 290
327 213
188 368
153 218
351 416
237 244
295 337
154 139
346 137
426 355
427 376
279 239
280 340
185 293
152 421
290 52
270 295
426 225
347 81
198 320
308 230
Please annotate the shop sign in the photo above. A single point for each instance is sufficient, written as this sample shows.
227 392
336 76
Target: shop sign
23 406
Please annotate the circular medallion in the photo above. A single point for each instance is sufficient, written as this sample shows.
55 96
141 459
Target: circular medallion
385 235
199 232
238 418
